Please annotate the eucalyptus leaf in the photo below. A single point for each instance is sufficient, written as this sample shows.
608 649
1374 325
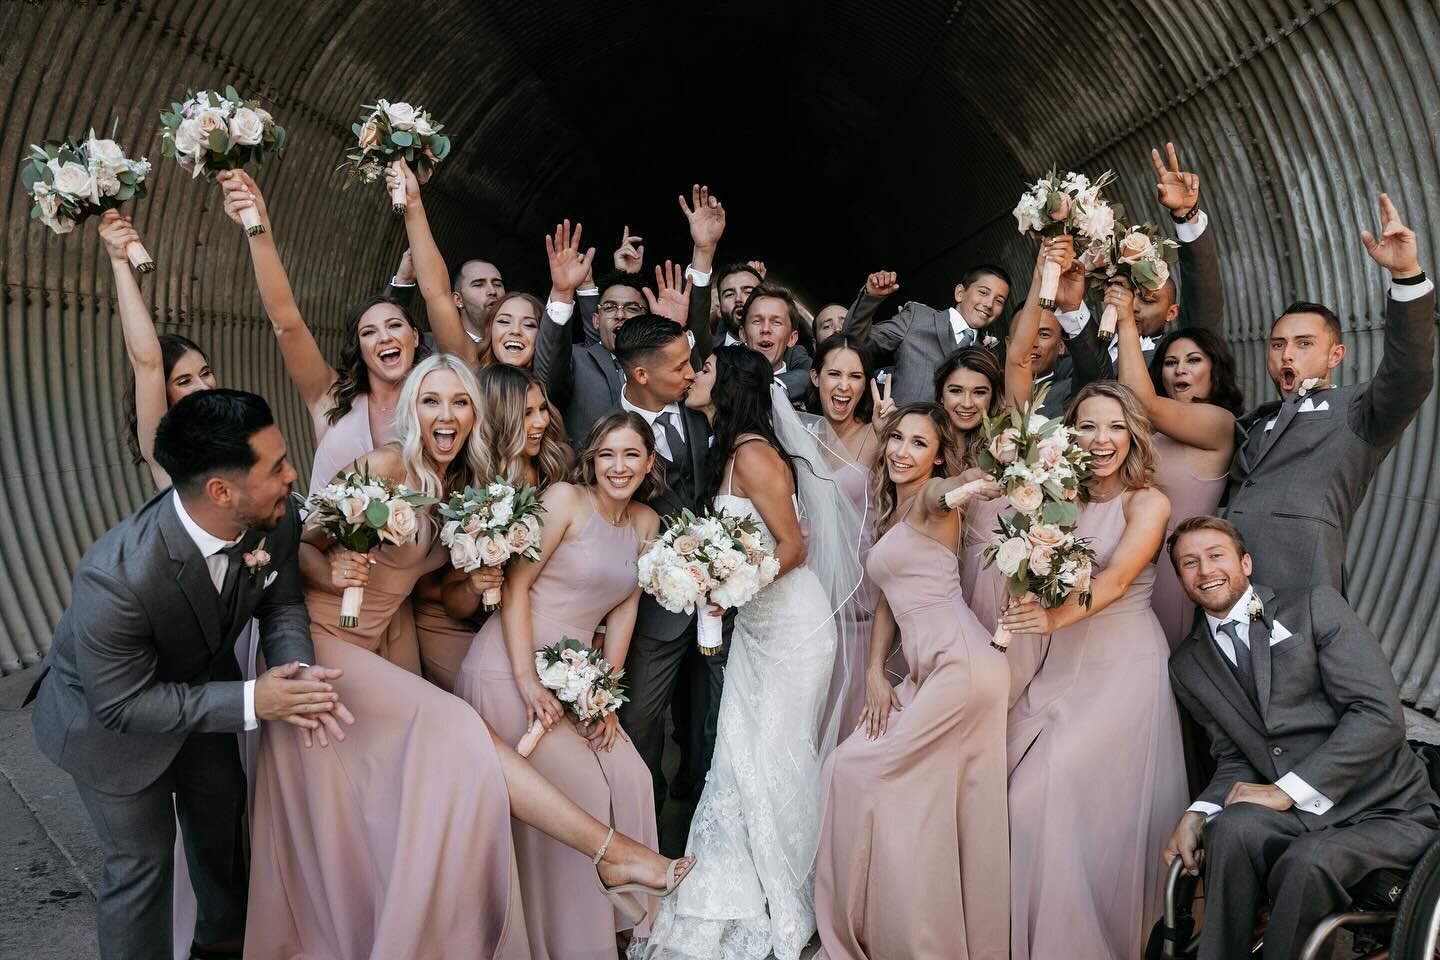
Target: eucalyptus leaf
401 138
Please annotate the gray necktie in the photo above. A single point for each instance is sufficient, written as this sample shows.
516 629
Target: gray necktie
965 338
1242 670
673 437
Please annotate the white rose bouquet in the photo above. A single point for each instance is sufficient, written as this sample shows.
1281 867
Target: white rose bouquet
361 512
69 180
1042 470
582 680
213 131
715 558
1139 254
387 132
1071 203
487 526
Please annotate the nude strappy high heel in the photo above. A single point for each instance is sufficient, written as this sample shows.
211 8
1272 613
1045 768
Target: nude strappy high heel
619 895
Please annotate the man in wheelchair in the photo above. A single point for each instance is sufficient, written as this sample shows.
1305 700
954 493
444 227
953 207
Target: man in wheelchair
1315 785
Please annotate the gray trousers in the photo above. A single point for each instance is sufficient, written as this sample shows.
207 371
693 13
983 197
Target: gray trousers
1252 851
205 787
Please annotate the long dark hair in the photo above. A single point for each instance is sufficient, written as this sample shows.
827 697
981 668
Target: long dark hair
172 347
353 376
1224 381
981 361
741 396
842 341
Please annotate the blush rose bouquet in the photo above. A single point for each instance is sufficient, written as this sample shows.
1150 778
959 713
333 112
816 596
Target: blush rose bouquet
1042 470
216 130
1066 204
72 179
362 512
1139 254
584 682
390 131
486 526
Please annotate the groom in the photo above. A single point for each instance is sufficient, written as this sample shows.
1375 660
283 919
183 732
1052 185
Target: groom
1316 786
141 696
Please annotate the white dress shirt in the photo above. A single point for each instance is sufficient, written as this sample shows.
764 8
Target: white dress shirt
958 324
662 445
1073 321
218 564
1305 797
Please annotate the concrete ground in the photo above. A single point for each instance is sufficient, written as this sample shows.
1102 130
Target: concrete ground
49 861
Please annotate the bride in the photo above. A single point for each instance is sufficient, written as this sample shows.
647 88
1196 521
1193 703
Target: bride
757 824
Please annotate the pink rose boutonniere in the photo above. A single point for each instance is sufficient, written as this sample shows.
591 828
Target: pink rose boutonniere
257 560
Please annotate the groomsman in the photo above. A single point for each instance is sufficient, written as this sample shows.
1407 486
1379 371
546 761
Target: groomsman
737 283
141 696
1303 462
921 337
476 286
768 326
1315 785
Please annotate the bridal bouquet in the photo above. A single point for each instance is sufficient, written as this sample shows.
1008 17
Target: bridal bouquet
213 131
582 680
387 132
716 558
69 180
1139 254
1041 468
1066 204
361 512
486 527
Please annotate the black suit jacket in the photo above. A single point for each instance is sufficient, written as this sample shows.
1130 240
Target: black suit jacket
654 620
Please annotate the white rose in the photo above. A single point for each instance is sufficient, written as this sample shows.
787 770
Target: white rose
494 551
1009 556
71 178
1027 498
422 125
400 528
555 675
769 570
189 138
1052 449
353 508
738 588
106 183
210 120
246 127
1041 559
374 491
448 531
401 116
108 154
678 590
500 511
1097 221
465 553
497 489
1136 246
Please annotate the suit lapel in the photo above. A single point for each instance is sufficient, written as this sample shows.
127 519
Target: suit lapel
605 360
192 576
1260 647
1287 414
697 438
944 332
1212 662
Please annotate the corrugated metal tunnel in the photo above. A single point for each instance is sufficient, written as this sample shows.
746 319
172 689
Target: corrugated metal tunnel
843 137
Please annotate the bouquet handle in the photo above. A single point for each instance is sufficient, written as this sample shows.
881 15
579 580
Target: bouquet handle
531 740
1002 637
250 218
139 258
350 602
1108 319
709 633
1049 284
397 198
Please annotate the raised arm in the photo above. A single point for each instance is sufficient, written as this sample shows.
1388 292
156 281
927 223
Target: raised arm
1203 302
1198 424
308 369
860 320
706 216
1406 373
1089 358
1025 325
430 272
568 268
142 344
401 285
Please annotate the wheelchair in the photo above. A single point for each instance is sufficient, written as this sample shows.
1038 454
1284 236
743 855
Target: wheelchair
1393 915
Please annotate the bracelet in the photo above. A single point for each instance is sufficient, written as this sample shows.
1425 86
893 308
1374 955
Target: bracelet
1414 281
1189 216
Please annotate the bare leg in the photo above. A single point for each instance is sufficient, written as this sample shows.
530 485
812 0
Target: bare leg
539 803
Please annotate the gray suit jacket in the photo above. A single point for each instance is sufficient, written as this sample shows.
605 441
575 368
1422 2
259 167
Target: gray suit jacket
1295 488
1328 710
920 338
144 656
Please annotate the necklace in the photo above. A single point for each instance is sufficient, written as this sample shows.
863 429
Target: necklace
1106 499
619 522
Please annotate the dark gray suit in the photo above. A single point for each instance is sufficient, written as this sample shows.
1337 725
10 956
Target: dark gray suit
920 338
1323 706
1294 488
141 700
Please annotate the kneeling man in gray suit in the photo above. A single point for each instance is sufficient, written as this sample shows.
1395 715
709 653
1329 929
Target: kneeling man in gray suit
1315 785
141 696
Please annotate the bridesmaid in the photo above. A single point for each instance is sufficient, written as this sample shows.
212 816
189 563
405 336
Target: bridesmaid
1097 775
595 529
1191 397
395 841
513 327
882 889
352 408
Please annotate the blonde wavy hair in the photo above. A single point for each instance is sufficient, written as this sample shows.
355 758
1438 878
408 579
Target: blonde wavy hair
422 472
501 428
1138 470
951 456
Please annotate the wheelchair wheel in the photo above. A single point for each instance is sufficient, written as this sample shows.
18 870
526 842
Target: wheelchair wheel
1417 917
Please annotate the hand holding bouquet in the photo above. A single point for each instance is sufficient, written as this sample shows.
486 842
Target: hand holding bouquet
361 512
1066 204
387 132
716 558
213 131
1138 254
69 180
582 680
486 527
1041 468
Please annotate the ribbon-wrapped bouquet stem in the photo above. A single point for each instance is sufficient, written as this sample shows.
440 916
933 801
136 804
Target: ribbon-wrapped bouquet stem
584 682
1139 254
1068 204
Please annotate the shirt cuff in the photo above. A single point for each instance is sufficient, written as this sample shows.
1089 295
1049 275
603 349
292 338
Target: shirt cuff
1205 807
395 282
1073 321
1190 232
1307 798
250 722
1405 292
590 291
701 278
560 312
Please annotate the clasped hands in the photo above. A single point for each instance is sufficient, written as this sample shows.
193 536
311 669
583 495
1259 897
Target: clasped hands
303 697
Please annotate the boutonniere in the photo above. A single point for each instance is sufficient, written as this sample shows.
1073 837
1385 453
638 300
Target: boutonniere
257 560
1256 608
1313 385
990 342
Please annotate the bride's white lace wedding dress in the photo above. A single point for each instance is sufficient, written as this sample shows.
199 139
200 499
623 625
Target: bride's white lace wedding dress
755 830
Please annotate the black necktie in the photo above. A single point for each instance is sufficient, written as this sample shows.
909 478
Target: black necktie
673 438
230 586
1241 667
